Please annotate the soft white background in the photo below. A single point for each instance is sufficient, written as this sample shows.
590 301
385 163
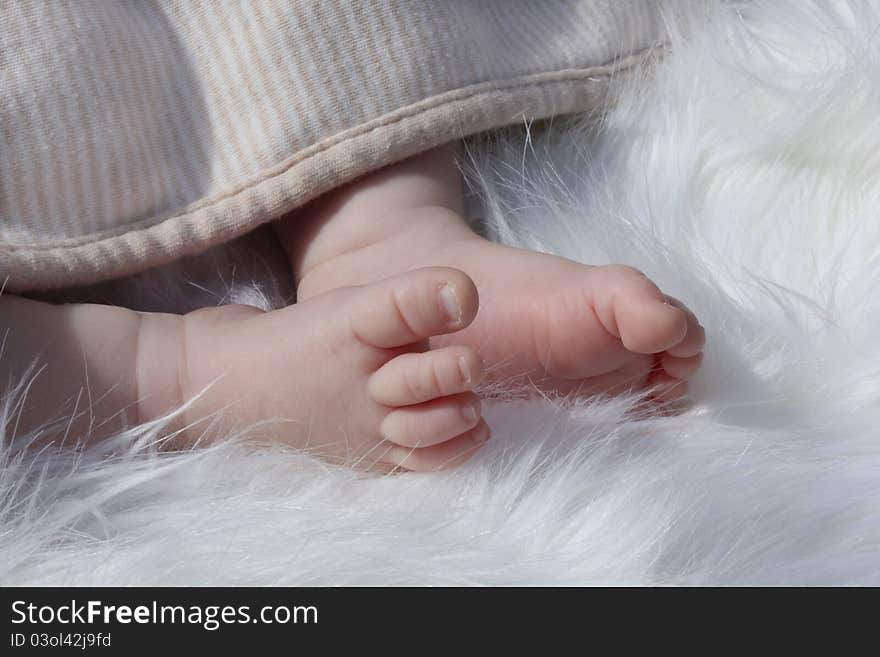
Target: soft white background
743 174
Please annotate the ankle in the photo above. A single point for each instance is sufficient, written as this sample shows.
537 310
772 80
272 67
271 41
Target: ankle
159 366
181 364
373 208
410 238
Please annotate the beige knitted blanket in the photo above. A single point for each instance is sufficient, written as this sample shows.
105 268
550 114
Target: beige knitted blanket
133 133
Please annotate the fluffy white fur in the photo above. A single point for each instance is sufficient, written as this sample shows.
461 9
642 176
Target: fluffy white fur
743 174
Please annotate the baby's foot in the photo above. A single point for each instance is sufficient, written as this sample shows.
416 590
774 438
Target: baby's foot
348 374
544 320
567 327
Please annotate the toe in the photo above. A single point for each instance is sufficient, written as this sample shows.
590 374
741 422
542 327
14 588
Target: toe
414 378
695 337
681 368
648 326
439 457
433 422
633 308
653 328
414 306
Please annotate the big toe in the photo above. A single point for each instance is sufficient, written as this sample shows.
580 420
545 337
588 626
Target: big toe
414 306
650 326
639 313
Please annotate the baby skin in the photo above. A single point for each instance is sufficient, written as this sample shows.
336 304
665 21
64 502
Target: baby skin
377 362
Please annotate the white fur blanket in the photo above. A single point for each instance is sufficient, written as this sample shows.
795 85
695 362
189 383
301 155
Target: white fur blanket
744 176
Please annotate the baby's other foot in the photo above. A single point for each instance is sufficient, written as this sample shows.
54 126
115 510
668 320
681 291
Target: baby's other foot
349 374
545 322
569 327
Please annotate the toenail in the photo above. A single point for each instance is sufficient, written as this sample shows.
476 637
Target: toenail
469 413
480 435
465 369
449 303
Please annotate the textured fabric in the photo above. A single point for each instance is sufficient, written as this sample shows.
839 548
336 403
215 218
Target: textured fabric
132 133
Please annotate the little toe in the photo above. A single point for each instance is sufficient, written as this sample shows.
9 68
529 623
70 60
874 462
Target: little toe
442 456
411 307
433 422
681 368
414 378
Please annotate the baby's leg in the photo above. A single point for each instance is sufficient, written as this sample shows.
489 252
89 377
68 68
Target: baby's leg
337 239
562 325
90 363
346 374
